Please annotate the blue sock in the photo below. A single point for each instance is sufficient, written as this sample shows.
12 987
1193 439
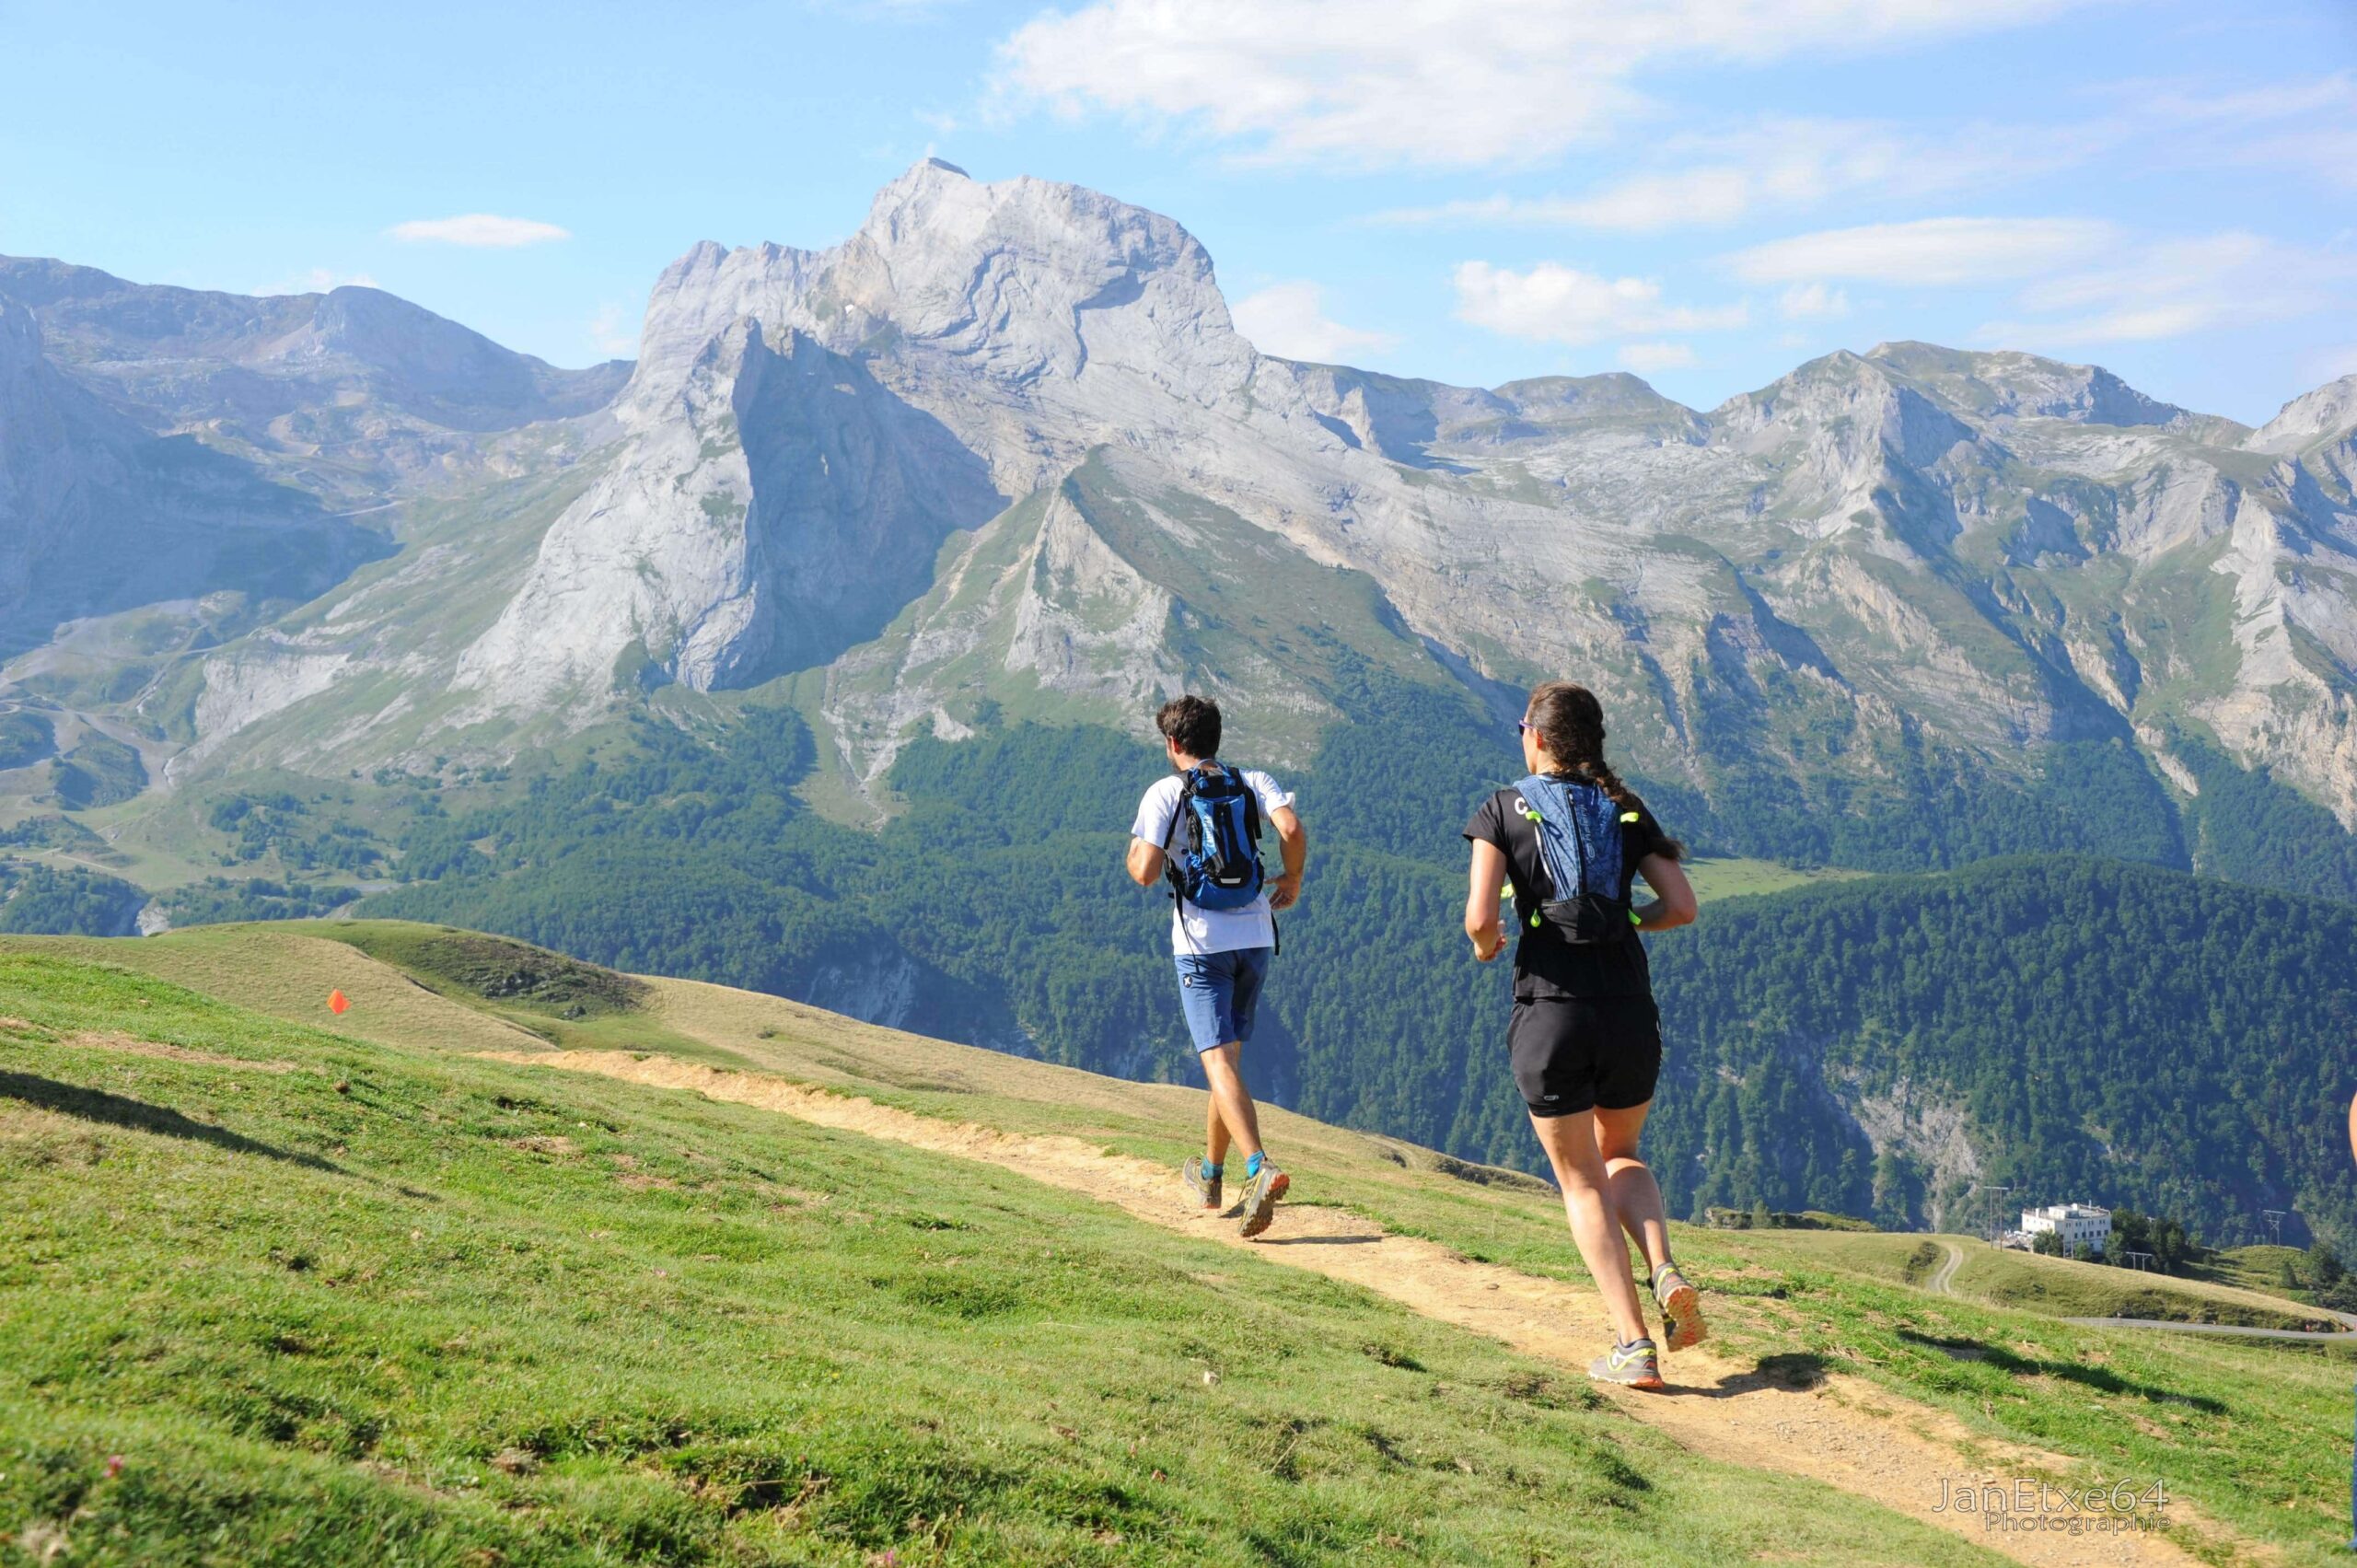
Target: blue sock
1252 1167
1211 1170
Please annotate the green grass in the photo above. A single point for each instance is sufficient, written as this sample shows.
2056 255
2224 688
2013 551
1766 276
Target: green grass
570 1004
494 968
2253 1434
1731 877
2257 1268
335 1301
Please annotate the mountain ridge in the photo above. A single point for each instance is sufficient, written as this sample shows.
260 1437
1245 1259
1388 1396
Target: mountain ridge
1912 552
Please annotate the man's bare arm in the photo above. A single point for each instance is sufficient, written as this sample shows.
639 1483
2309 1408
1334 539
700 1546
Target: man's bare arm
1145 863
1294 840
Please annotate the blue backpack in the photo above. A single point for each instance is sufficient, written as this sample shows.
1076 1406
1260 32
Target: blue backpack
1218 867
1579 838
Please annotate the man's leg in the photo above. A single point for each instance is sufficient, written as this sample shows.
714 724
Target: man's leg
1636 1196
1232 1113
1570 1142
1214 1130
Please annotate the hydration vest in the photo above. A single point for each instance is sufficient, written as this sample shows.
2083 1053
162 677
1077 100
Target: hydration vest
1579 841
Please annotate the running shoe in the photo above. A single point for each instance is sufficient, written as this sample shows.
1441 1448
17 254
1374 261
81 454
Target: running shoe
1260 1195
1632 1365
1681 1310
1202 1181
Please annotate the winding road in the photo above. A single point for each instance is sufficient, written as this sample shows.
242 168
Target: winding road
1944 1283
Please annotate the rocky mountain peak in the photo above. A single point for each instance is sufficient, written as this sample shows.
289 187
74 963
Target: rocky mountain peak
1847 401
2311 419
2006 385
1016 290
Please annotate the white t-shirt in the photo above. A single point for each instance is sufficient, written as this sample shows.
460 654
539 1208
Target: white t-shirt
1196 930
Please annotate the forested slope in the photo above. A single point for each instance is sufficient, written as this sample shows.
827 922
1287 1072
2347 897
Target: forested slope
2111 1033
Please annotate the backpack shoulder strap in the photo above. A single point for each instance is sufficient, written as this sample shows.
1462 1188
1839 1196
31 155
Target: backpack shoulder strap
1554 821
1179 819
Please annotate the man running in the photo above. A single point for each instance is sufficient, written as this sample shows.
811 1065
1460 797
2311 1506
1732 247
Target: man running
1200 828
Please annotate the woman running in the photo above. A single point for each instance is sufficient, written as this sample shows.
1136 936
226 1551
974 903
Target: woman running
1586 1037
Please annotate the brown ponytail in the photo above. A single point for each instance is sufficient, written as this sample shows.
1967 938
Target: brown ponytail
1571 721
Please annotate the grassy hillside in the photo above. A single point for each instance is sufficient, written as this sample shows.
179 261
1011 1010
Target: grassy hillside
334 1301
507 1199
2052 1287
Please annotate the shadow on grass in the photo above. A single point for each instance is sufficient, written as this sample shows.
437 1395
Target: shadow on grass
2096 1377
1795 1371
116 1111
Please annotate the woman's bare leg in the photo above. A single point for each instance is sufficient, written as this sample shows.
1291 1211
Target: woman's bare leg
1636 1196
1570 1142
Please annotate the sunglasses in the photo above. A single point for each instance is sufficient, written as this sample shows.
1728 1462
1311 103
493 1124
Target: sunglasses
1525 727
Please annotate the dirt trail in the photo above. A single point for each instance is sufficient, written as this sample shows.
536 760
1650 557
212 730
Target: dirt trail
1838 1430
1944 1282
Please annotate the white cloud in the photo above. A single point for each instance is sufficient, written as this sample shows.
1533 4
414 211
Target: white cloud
1813 302
1646 358
1928 251
1435 82
1553 302
478 229
1289 319
1708 196
1784 165
2179 287
318 280
612 330
2308 123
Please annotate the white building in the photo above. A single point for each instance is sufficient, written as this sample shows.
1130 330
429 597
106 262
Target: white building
2074 1222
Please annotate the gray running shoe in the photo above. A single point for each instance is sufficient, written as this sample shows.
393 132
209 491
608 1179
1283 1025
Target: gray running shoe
1260 1195
1633 1366
1681 1310
1202 1181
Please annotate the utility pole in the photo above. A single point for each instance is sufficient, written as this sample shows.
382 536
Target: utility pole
1996 1212
2274 1218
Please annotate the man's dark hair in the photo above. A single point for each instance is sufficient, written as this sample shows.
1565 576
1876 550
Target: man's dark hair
1191 723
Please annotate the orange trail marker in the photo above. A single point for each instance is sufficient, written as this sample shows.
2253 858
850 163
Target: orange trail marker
338 1002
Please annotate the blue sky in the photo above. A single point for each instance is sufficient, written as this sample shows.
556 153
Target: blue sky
1707 191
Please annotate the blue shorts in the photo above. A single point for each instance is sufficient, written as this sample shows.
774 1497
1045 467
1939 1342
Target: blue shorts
1220 992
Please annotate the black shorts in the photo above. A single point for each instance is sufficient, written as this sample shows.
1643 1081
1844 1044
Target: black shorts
1574 1055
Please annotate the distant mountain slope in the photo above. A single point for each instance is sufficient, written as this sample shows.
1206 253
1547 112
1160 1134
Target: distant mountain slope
351 393
98 516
